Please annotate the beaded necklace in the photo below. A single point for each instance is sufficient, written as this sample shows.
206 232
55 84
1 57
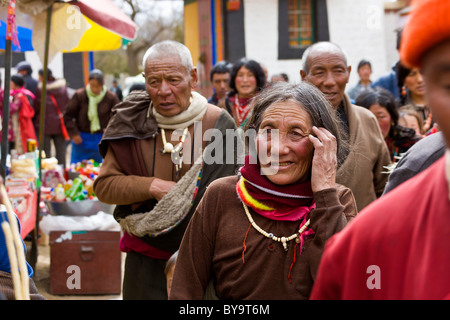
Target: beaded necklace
176 151
283 240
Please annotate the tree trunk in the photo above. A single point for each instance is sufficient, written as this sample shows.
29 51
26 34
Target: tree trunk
133 63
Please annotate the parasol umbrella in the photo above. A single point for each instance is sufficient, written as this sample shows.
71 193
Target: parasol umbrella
79 25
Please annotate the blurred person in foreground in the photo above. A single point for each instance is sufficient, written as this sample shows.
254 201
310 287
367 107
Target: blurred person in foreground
399 244
6 280
325 66
152 169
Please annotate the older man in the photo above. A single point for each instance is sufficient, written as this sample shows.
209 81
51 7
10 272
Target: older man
325 66
398 247
151 168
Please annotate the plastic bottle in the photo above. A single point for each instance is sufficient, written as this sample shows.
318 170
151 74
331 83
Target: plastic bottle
59 193
89 186
81 196
77 187
67 185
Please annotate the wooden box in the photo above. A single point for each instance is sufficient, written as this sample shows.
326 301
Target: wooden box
85 262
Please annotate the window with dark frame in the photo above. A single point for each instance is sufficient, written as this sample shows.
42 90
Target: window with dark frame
301 23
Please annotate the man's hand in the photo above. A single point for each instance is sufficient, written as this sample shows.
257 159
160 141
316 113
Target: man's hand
159 188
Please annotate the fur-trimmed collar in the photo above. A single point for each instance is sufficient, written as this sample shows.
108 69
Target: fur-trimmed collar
58 83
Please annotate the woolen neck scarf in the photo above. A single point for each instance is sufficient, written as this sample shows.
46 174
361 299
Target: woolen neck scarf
291 202
94 100
185 119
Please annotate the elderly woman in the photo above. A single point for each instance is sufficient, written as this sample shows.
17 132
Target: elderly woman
247 79
382 104
260 235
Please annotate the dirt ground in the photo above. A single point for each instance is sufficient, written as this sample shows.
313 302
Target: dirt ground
42 278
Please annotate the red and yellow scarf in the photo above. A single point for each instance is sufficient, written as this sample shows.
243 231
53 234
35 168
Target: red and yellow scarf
292 202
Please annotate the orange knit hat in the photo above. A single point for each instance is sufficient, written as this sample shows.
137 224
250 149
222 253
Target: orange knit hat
427 26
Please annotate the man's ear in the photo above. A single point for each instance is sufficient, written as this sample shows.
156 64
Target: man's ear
194 78
349 70
303 75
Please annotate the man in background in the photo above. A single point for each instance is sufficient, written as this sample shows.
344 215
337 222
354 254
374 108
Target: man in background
220 80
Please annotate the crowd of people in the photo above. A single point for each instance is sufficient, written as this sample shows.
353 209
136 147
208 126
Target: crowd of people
78 119
308 209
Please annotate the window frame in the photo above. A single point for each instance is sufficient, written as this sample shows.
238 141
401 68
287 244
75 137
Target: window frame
320 29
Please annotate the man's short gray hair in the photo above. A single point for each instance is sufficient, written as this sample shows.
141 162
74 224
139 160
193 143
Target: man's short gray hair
305 66
169 48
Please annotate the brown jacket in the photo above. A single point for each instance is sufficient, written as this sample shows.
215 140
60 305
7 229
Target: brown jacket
76 114
132 159
213 247
362 171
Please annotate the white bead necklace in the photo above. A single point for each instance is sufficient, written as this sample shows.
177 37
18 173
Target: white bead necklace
177 150
283 240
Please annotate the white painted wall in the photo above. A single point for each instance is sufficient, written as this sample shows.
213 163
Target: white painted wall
359 27
261 38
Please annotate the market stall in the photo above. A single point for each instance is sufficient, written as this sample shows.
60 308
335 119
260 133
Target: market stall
78 26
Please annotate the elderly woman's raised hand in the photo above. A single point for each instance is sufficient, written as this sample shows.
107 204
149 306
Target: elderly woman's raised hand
324 163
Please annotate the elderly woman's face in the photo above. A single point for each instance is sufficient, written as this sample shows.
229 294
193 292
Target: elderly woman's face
284 149
169 84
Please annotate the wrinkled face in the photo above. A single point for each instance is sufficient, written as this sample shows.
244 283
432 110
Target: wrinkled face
245 83
169 84
284 149
221 84
436 71
415 83
96 87
329 73
383 117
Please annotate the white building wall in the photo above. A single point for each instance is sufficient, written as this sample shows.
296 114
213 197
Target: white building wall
357 26
261 38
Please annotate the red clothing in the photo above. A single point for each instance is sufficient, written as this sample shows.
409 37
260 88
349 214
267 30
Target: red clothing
26 114
404 237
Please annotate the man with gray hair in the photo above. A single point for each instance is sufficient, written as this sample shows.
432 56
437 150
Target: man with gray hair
151 170
325 66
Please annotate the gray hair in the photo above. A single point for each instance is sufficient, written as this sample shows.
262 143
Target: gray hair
169 48
321 45
314 103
